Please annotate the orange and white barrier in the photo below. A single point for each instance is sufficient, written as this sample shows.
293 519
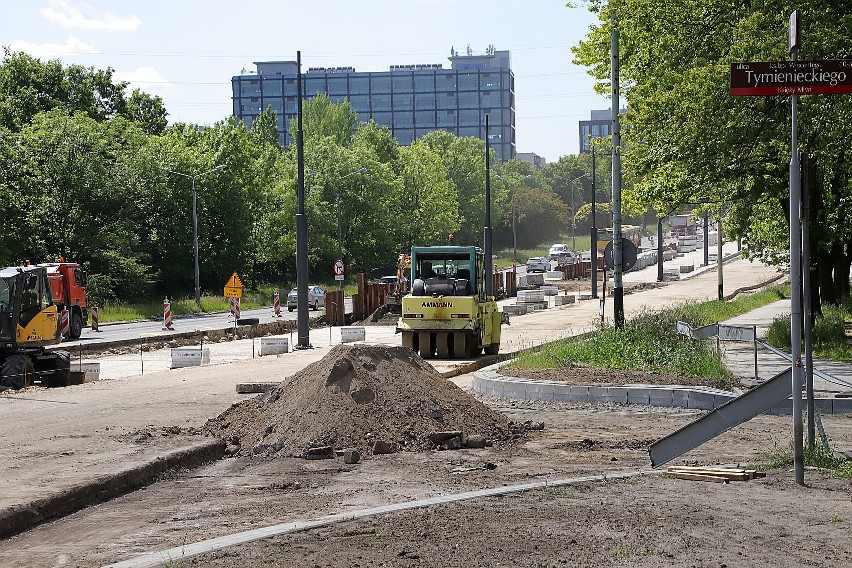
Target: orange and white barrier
95 318
236 308
167 314
276 303
65 323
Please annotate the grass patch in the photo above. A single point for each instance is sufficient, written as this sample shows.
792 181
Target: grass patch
828 336
649 342
815 456
153 308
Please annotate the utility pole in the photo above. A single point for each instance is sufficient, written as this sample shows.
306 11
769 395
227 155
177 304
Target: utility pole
486 236
617 250
594 242
796 266
303 324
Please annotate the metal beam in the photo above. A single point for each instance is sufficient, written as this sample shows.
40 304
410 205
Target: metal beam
741 409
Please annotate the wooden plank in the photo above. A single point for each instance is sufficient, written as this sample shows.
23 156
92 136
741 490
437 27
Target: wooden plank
729 473
698 477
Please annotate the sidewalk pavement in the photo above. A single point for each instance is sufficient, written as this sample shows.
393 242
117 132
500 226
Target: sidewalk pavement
739 357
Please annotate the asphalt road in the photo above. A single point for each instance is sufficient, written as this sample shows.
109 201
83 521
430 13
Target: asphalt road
200 322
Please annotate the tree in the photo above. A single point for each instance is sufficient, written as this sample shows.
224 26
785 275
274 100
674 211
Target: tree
29 86
687 141
148 111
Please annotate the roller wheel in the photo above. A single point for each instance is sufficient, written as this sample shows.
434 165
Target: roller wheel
18 372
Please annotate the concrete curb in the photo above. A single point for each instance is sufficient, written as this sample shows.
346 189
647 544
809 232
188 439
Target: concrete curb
490 382
21 517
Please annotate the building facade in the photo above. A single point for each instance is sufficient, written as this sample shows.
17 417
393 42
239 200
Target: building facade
600 126
411 100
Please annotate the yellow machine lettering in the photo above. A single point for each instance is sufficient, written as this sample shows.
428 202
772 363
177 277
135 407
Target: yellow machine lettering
41 328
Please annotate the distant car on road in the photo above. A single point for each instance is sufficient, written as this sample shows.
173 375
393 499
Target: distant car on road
316 298
558 249
391 280
537 264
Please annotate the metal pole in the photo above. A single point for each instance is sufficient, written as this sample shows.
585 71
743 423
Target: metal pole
806 295
719 263
303 324
796 290
339 231
594 243
195 241
573 222
706 239
617 251
514 233
660 249
489 276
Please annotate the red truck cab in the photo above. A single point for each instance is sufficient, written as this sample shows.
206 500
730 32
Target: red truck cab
68 286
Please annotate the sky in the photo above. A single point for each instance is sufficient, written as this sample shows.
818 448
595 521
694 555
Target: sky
186 51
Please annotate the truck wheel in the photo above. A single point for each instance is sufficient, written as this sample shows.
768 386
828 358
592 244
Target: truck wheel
289 309
316 305
18 372
492 349
61 370
76 326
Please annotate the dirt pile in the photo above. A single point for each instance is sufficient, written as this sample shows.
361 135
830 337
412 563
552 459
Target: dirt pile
360 397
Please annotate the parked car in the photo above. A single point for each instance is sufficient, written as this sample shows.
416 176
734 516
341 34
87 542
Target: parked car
538 264
558 249
316 298
566 257
391 280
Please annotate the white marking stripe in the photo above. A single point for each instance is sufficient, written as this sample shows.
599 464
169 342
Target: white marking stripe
218 543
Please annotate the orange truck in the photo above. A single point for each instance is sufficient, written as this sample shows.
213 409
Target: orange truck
68 286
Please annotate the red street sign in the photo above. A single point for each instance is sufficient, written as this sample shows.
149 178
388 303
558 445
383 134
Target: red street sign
791 77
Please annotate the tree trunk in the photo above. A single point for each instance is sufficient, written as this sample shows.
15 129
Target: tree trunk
826 282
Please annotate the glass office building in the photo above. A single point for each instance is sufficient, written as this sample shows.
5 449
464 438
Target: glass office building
411 100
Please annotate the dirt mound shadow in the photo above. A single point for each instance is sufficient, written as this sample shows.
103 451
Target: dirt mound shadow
355 397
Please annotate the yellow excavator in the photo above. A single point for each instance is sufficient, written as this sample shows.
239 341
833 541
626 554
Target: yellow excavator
29 323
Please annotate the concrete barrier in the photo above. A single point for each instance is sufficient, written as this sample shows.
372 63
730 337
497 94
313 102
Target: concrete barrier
529 296
274 345
91 371
686 268
189 357
531 279
549 290
515 309
554 275
350 334
565 300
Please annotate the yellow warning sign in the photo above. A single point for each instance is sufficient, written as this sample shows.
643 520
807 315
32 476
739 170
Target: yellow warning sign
234 287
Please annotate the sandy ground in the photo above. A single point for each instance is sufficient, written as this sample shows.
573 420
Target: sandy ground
645 522
63 435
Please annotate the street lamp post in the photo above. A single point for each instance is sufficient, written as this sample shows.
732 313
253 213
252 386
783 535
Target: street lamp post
195 222
574 213
339 214
514 232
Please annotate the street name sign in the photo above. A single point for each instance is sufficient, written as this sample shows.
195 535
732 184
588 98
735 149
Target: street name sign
761 78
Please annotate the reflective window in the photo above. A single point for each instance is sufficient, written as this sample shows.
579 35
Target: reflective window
403 101
337 86
403 83
381 84
424 101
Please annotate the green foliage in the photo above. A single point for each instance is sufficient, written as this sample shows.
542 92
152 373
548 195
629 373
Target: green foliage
649 342
815 456
828 337
686 140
